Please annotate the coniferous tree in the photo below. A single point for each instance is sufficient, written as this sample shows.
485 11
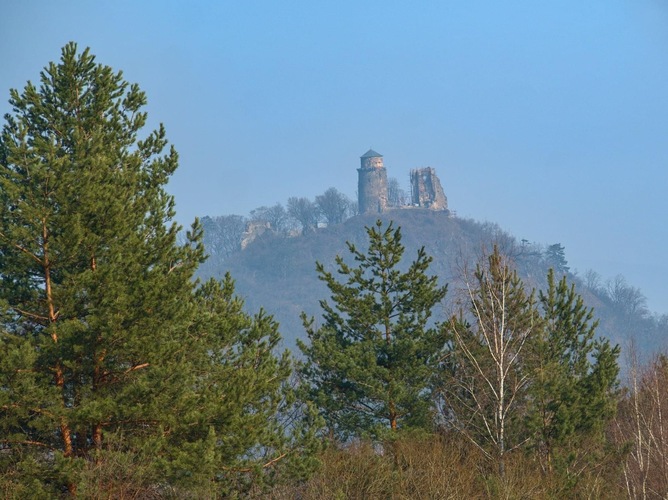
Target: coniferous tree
531 375
90 270
555 256
245 399
108 355
573 383
370 363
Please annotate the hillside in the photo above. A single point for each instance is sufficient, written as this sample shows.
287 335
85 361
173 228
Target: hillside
278 273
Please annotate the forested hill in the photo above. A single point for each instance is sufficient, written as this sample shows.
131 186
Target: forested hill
278 273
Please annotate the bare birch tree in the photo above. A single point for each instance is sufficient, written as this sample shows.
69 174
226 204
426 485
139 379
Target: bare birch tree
642 423
488 379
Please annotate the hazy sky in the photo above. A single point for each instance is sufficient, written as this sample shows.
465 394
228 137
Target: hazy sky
549 118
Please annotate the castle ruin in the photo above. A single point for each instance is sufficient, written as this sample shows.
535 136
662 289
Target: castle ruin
372 192
426 190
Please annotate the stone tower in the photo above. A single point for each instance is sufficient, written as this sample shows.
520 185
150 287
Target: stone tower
372 184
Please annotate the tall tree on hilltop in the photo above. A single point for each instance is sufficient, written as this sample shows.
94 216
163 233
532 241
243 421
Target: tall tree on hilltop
396 196
370 363
555 256
223 234
333 206
276 216
101 360
305 212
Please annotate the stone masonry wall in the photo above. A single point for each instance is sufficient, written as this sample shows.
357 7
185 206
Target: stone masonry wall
372 189
426 190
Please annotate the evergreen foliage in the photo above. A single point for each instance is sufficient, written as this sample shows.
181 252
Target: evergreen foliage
245 400
371 361
532 376
574 381
123 377
110 357
555 256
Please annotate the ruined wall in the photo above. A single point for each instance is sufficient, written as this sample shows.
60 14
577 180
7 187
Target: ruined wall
254 229
426 190
372 184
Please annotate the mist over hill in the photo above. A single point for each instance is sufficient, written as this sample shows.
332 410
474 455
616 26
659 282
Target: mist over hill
277 273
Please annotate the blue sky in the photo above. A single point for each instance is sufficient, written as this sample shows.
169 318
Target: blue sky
549 118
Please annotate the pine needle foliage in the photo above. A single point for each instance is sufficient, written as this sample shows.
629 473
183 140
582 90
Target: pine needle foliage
370 362
531 375
574 383
112 359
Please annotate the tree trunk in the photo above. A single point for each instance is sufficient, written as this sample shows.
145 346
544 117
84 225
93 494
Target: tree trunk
59 376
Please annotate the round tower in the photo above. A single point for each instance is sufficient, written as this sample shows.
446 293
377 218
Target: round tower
372 184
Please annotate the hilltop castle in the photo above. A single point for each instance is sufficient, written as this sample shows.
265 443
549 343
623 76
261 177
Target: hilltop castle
372 192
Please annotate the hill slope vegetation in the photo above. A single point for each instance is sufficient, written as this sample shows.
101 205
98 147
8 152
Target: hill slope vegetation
278 272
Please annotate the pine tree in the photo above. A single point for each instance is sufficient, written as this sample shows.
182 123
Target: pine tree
89 267
245 402
555 256
574 381
370 363
109 355
532 376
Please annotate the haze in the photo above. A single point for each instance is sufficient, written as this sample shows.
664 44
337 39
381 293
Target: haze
550 119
